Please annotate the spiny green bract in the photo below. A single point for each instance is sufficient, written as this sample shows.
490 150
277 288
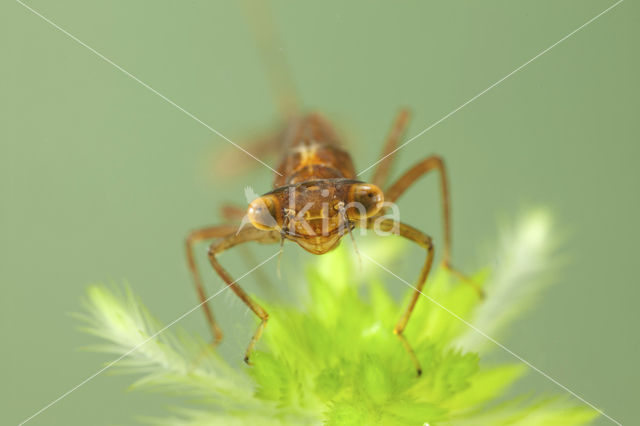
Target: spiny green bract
335 361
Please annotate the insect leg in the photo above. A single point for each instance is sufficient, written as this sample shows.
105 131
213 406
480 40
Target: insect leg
193 238
421 168
424 241
381 174
230 162
245 235
234 214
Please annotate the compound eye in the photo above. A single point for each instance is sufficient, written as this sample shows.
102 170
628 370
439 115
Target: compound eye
365 200
263 213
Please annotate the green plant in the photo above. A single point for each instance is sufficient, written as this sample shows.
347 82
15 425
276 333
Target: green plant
336 362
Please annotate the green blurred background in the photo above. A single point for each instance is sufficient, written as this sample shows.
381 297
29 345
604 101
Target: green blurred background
100 179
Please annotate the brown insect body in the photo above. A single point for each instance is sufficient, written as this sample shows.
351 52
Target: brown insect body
314 219
316 200
316 184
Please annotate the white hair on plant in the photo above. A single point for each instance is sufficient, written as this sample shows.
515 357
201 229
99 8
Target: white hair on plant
521 271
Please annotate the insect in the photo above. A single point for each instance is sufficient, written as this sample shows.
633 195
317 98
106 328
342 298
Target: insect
315 201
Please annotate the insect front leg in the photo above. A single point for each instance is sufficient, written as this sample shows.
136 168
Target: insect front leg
424 241
235 214
420 169
245 235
